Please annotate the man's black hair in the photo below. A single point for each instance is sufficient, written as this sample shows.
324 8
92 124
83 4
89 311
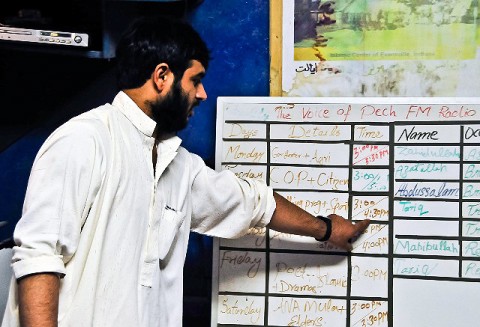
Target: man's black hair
152 40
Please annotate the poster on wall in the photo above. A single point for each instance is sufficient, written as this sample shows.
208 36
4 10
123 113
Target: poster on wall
380 48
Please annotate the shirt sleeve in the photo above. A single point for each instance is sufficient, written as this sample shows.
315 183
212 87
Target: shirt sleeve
227 206
61 186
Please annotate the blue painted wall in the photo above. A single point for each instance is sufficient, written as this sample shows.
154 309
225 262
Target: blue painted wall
237 32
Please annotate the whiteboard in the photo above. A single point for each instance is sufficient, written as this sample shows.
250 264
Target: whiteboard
411 165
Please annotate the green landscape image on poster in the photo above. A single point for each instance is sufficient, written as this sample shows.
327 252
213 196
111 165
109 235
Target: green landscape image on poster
385 30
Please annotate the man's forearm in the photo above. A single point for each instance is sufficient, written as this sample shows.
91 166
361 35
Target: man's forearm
289 218
38 300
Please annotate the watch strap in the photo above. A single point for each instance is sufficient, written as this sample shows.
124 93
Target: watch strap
328 231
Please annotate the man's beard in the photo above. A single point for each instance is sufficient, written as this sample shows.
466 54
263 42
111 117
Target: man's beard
171 113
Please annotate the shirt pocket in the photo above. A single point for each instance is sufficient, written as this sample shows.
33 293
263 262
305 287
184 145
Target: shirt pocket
169 226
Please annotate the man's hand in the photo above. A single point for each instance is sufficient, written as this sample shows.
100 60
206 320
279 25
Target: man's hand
344 231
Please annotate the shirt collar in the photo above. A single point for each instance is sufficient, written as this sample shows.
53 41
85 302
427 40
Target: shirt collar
171 144
140 120
137 117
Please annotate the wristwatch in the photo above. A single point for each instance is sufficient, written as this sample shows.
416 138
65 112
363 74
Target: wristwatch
328 231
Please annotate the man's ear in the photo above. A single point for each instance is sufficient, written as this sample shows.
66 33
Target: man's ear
161 75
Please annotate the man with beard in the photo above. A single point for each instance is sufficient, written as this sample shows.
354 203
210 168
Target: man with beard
112 197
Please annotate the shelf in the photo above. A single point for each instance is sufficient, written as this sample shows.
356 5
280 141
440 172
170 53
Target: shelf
51 49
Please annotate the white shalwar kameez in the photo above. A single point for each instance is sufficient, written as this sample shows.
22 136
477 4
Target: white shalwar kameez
116 230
